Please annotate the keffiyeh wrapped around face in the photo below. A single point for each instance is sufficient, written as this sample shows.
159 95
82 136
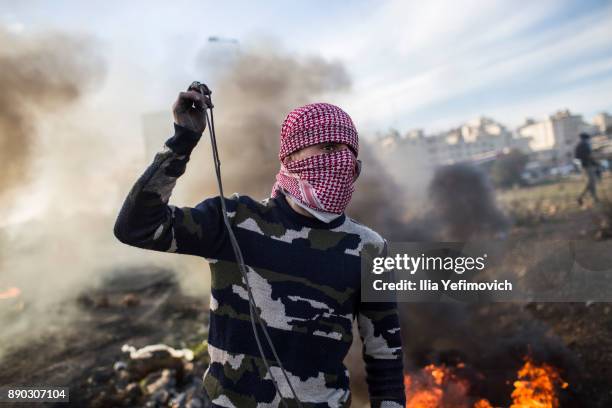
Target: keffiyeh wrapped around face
326 181
323 182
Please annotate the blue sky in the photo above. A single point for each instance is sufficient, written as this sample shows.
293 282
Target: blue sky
430 64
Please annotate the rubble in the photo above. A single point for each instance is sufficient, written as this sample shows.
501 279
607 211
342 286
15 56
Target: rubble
130 300
123 352
153 376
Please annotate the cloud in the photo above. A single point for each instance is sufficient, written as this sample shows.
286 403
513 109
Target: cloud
413 61
581 72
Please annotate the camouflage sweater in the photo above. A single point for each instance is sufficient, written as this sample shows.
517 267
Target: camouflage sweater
305 277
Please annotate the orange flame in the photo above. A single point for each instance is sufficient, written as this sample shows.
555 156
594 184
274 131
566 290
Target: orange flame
10 293
439 387
483 403
425 398
536 386
435 386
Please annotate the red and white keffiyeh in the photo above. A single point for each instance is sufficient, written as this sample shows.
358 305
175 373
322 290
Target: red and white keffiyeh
323 182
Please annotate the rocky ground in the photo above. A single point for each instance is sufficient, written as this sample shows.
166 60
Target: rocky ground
100 356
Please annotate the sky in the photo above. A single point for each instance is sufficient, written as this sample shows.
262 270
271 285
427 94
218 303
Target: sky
413 64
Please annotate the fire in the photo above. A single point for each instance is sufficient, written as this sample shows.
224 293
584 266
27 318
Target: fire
440 387
10 293
434 386
536 386
424 390
483 403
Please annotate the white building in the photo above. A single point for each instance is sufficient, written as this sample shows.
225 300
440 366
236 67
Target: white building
554 138
603 122
475 141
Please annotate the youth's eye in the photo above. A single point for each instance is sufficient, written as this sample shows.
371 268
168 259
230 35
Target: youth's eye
329 147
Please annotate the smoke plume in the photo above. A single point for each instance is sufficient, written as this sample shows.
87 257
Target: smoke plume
460 206
378 200
40 73
43 77
252 98
463 204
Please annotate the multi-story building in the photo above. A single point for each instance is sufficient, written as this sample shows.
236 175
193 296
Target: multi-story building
475 141
553 139
603 122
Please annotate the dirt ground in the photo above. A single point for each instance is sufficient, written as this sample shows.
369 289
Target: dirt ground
123 311
552 213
